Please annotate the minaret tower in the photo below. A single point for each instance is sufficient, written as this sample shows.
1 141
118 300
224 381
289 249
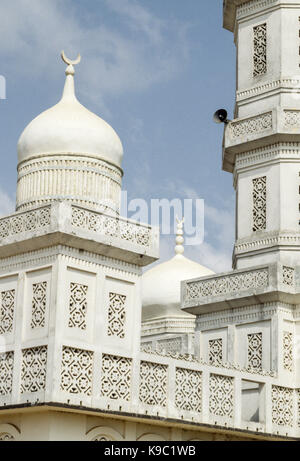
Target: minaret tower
250 316
262 143
70 277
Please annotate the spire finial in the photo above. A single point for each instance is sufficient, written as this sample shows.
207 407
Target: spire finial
179 249
69 89
70 69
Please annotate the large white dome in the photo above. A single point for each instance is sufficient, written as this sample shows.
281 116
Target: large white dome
68 153
68 127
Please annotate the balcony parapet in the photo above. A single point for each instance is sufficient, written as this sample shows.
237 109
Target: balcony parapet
71 225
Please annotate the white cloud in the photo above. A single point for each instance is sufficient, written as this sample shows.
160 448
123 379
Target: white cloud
7 204
144 51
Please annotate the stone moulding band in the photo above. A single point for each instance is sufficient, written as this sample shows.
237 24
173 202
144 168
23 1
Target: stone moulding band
267 241
284 83
252 7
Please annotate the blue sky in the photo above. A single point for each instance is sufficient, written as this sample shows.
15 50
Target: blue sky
156 70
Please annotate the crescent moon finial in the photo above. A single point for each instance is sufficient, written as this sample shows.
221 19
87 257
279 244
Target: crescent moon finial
179 221
69 61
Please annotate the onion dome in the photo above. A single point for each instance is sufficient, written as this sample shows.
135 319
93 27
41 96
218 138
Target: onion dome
161 285
69 153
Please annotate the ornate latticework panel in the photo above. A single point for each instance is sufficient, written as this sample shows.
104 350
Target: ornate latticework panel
188 390
215 351
33 375
170 345
288 276
260 50
23 222
227 284
6 372
7 311
259 203
39 298
116 315
78 306
288 351
116 377
292 118
221 395
282 406
137 234
153 383
77 371
251 125
255 351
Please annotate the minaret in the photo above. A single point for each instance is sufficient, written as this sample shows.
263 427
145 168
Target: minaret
70 275
262 143
249 316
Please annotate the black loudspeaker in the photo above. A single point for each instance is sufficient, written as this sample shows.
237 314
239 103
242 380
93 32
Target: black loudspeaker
221 116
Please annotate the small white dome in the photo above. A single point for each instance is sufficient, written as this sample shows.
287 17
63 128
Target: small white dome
161 286
68 127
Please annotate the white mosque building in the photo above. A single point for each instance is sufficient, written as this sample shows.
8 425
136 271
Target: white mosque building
95 347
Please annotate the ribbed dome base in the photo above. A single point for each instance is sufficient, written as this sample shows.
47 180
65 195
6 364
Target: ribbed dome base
86 181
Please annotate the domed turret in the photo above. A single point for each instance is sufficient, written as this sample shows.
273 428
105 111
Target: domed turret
69 153
161 293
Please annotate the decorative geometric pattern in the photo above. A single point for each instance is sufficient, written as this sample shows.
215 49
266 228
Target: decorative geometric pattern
6 437
288 276
39 293
227 284
23 222
78 306
112 227
170 345
260 50
6 372
188 390
259 203
215 351
288 351
77 371
282 406
116 315
255 351
292 118
116 377
153 383
221 395
33 374
7 311
252 125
